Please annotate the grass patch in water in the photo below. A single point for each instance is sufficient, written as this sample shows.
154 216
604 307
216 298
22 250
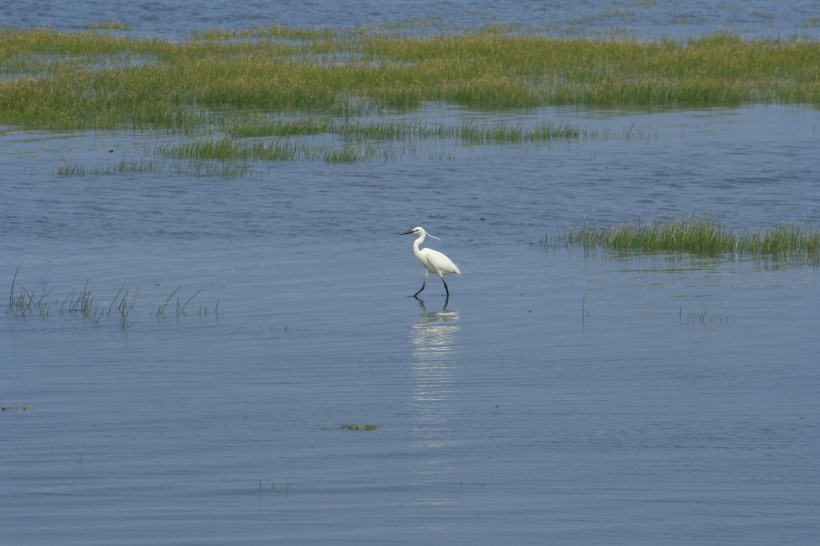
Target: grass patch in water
699 236
503 133
256 126
227 149
70 169
356 427
195 168
25 407
471 132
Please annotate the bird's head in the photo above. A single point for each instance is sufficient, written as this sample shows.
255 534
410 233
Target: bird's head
419 231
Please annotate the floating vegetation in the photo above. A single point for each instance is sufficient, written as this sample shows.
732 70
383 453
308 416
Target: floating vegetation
705 236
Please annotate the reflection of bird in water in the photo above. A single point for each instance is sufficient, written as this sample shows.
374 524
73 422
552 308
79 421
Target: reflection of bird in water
445 315
434 332
433 260
434 335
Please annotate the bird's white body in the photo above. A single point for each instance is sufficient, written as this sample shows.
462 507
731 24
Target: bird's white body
432 260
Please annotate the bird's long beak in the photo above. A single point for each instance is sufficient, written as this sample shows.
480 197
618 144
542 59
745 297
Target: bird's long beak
406 232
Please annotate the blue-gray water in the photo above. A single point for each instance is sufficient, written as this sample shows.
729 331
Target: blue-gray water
559 398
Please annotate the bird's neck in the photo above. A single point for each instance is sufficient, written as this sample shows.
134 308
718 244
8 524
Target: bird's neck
417 242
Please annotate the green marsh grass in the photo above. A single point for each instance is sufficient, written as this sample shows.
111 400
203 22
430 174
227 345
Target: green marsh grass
58 80
706 236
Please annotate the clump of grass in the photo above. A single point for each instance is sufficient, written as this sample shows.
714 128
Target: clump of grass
181 306
160 312
347 154
70 169
503 133
704 317
254 126
122 304
357 427
227 149
23 302
82 303
699 236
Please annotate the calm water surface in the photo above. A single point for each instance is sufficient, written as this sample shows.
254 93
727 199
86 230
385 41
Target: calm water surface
557 398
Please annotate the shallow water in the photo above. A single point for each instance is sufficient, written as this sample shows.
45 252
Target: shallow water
563 397
559 397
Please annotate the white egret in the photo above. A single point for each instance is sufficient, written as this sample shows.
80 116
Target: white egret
432 260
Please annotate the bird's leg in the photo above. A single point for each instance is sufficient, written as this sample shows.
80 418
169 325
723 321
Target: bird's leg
445 286
426 274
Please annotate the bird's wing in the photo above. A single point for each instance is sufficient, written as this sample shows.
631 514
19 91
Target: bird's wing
440 263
